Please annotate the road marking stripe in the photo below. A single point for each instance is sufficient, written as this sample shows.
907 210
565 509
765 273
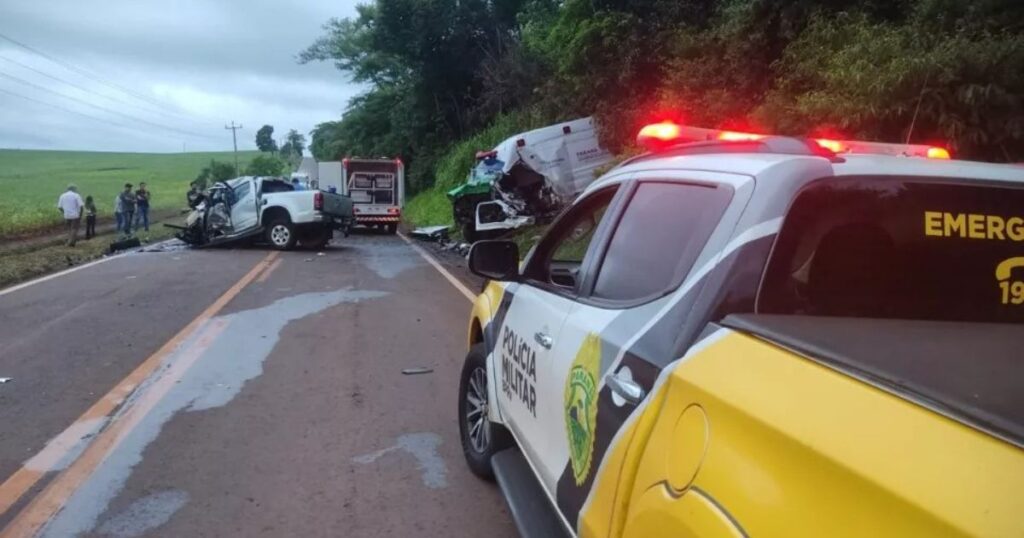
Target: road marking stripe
444 272
51 499
270 269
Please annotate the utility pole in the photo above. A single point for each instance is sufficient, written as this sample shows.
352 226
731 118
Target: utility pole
234 139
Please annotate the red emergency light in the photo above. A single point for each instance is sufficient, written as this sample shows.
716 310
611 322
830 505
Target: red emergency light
659 136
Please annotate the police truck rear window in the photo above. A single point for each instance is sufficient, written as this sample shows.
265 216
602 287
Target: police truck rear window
901 248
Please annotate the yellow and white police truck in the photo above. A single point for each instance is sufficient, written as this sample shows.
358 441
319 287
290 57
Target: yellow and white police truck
746 335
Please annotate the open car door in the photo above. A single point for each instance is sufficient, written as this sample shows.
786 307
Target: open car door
245 207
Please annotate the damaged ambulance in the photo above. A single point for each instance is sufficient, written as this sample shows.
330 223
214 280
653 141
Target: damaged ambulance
528 178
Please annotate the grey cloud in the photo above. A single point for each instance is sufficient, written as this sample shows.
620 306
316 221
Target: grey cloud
212 61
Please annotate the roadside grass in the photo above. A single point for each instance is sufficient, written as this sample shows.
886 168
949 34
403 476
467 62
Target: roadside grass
19 266
31 181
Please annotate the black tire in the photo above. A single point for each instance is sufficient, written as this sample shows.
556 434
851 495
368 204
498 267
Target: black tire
281 234
316 238
393 228
480 437
469 233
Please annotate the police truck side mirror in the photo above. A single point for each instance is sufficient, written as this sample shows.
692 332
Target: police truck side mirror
495 260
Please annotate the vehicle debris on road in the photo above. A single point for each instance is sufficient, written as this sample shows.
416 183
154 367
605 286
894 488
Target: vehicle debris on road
431 233
6 379
418 370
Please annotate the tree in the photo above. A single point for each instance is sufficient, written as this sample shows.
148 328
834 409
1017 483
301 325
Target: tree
265 165
214 172
265 139
297 142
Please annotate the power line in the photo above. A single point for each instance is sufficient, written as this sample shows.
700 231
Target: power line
109 111
86 90
83 114
90 75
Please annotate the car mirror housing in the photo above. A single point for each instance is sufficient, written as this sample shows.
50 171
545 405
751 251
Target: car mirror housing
495 260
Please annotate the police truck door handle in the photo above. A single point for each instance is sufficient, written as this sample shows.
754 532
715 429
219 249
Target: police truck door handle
543 339
627 389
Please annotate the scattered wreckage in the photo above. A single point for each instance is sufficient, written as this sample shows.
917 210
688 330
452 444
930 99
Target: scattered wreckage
272 208
527 178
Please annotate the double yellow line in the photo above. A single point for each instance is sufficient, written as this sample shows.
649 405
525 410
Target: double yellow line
45 505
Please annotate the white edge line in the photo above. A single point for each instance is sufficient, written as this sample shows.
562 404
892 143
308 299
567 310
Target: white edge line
470 296
107 258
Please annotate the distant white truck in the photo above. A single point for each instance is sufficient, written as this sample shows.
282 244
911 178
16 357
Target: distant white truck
376 187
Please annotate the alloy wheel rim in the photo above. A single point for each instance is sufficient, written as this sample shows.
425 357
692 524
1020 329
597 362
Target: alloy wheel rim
476 411
279 234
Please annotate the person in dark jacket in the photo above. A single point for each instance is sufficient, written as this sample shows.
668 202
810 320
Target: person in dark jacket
142 198
128 207
90 217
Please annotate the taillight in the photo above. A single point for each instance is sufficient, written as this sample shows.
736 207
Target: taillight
936 152
394 211
318 201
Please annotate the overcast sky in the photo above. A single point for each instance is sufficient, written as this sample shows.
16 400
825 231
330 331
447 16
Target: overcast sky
188 67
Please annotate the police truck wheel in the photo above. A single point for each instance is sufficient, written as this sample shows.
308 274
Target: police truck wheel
393 228
480 437
281 234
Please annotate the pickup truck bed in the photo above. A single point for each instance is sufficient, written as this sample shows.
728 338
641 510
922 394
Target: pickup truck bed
969 372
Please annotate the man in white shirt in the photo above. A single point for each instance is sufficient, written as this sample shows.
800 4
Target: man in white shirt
70 204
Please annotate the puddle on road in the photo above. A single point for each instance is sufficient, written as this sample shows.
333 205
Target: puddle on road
206 371
423 447
388 260
60 451
145 514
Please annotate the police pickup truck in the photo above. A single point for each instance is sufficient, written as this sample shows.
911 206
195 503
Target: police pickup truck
742 335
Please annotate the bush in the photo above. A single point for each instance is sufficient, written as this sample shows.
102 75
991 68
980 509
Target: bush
265 165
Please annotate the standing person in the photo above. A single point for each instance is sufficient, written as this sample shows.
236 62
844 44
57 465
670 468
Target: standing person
70 205
90 218
142 201
127 207
118 212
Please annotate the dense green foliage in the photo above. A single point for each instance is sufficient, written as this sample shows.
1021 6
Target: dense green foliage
214 172
267 164
31 181
441 70
265 139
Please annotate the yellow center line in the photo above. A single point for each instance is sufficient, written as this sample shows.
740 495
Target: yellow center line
270 269
53 497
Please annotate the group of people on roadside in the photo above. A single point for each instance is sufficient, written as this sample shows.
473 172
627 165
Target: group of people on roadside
131 207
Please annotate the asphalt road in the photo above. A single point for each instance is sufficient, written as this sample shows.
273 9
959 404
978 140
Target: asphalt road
239 393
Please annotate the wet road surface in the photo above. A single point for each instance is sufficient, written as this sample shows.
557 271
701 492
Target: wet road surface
239 393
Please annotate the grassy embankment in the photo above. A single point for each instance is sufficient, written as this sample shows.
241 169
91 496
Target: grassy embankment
30 243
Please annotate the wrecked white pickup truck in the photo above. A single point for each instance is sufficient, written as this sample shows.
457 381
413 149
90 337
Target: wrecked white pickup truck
251 208
527 178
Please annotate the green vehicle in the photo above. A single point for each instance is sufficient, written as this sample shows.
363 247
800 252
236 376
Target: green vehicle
475 190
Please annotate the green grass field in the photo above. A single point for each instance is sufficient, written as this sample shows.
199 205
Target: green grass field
31 181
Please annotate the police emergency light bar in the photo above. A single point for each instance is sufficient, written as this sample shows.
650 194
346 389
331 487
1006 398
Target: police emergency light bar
659 136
